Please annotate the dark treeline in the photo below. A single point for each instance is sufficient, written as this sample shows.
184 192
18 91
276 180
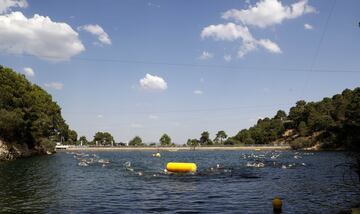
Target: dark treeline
106 139
329 124
28 116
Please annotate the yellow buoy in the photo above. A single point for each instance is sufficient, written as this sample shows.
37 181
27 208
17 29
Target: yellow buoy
277 205
181 167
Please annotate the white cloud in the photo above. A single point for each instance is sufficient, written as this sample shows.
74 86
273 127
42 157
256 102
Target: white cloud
232 32
308 27
227 58
29 72
6 5
55 85
263 14
206 55
227 32
38 36
153 117
269 45
100 116
266 13
98 31
150 82
198 92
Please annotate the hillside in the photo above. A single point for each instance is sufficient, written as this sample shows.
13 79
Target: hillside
30 122
331 123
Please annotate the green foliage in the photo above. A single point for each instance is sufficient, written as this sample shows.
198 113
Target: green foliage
220 137
244 136
280 115
231 141
103 138
205 139
165 140
136 141
333 122
71 137
302 129
192 142
83 140
27 113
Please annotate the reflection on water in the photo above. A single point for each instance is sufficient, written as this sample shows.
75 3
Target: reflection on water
226 181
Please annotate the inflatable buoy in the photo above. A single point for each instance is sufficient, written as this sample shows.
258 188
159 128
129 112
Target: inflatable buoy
277 205
158 155
181 167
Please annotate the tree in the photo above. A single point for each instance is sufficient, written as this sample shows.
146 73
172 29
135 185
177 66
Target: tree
297 113
205 139
165 140
71 137
83 140
302 128
103 138
192 142
281 115
244 136
136 141
28 113
220 137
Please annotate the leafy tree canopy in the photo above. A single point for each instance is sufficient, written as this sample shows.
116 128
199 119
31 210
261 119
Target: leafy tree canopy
28 115
165 140
136 141
103 138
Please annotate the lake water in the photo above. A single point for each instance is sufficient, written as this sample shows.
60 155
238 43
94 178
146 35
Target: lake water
135 182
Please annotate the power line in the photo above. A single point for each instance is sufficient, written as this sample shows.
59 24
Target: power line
186 110
311 69
228 68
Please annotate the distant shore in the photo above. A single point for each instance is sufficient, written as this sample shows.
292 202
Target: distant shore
210 148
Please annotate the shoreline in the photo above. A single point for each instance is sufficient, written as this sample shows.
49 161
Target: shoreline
174 149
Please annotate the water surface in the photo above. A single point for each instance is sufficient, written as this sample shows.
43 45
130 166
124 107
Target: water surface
135 182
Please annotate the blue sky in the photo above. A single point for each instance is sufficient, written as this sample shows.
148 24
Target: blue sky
211 65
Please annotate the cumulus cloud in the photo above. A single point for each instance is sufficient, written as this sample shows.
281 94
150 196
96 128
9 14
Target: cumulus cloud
227 32
198 92
6 5
232 32
150 82
98 31
308 27
29 72
55 85
38 36
263 14
266 13
206 55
